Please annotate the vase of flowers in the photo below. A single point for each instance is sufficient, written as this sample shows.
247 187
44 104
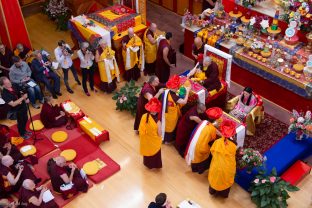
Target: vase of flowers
257 46
250 158
269 191
301 124
188 19
58 12
127 97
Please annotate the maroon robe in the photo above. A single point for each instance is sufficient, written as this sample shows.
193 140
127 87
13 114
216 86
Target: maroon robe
23 54
184 130
197 51
153 161
133 73
25 195
212 80
147 88
150 67
55 172
6 61
162 68
48 114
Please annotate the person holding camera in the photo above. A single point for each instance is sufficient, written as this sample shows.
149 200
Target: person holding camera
63 54
17 102
86 64
20 76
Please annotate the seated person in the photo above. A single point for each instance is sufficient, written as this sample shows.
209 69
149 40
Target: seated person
207 73
4 109
52 115
161 201
66 179
5 60
43 72
247 101
5 203
14 175
32 197
20 76
24 53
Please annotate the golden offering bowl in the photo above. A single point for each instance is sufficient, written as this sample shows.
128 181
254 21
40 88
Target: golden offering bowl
292 73
264 60
259 58
287 70
255 55
250 53
298 67
297 75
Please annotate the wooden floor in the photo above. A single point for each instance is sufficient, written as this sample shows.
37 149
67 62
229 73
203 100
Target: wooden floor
135 186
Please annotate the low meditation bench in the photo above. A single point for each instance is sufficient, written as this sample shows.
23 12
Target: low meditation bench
296 172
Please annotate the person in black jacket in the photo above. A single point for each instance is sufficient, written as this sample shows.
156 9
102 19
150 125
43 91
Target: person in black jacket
41 67
161 201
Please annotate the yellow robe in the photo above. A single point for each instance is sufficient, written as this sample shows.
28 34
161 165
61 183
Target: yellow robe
134 59
223 165
30 56
202 149
150 141
172 115
107 54
150 49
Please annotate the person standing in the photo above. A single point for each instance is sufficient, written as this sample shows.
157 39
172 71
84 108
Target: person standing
86 65
20 76
5 60
18 105
223 164
43 72
63 55
166 58
108 67
133 55
149 90
150 135
150 41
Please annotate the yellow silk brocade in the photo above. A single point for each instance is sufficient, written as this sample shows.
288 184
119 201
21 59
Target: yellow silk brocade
134 59
150 49
172 115
200 75
223 165
202 149
107 53
150 141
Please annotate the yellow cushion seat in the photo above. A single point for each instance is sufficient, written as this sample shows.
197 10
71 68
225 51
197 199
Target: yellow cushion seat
69 154
28 150
59 136
37 125
91 168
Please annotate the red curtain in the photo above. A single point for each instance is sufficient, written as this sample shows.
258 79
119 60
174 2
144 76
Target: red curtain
12 26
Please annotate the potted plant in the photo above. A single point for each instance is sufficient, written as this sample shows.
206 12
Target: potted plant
301 124
127 97
270 191
58 12
250 158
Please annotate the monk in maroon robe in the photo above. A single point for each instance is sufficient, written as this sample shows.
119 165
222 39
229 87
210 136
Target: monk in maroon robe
186 126
166 59
148 91
62 174
52 115
14 175
32 197
5 60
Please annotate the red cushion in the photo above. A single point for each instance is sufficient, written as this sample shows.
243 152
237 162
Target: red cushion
296 172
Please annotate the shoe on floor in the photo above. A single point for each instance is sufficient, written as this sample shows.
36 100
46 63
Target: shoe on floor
87 93
54 96
58 93
70 91
36 106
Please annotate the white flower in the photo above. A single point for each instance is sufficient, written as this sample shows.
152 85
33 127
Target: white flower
300 120
264 24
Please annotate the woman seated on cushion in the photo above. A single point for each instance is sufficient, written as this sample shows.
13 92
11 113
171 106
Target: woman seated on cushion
247 101
207 73
52 115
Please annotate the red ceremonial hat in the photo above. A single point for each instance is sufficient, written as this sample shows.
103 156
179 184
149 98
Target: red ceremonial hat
228 128
173 82
153 105
214 113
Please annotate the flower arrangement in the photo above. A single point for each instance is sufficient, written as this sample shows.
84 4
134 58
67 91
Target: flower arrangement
257 46
250 3
301 124
250 159
188 19
56 10
127 97
270 191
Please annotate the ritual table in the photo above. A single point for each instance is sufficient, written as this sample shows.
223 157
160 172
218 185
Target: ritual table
95 131
72 110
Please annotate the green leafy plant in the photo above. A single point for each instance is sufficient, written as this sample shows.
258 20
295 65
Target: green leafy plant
127 97
270 191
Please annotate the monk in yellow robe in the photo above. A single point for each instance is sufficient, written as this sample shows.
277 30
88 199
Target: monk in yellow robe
223 164
108 68
171 103
198 151
133 55
24 53
150 49
150 135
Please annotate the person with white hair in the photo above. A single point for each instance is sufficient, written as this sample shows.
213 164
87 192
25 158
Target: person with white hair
133 55
31 196
150 49
86 58
207 73
108 67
